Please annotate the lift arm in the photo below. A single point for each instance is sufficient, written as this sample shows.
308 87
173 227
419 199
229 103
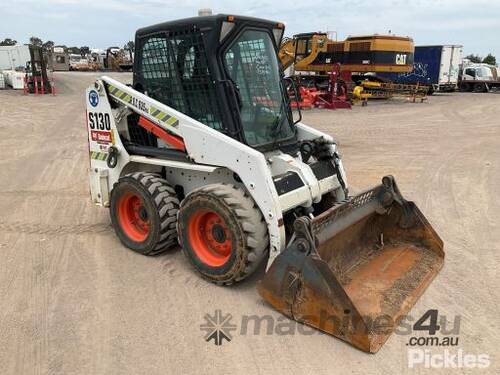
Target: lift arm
161 115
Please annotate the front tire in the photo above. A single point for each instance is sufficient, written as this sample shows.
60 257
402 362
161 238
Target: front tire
222 233
143 209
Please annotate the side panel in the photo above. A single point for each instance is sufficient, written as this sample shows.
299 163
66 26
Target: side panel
207 146
102 134
456 61
426 68
444 71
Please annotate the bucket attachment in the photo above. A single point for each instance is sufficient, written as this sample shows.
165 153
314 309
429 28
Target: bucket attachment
357 269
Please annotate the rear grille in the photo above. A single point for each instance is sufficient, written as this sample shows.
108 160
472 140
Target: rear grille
360 47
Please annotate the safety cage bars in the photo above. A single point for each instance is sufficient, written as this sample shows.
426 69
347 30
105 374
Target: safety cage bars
174 70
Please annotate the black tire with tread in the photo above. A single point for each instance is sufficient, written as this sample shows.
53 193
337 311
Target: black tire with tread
247 225
162 205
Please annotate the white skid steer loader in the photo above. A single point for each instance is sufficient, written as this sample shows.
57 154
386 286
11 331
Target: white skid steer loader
203 150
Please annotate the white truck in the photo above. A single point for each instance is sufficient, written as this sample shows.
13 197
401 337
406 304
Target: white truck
479 77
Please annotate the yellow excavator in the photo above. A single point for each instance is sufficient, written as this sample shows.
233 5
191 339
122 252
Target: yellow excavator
316 52
314 55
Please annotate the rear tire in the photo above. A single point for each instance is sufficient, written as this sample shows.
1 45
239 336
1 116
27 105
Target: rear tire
465 87
222 232
143 210
480 87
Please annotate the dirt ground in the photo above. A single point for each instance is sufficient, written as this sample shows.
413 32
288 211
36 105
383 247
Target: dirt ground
75 301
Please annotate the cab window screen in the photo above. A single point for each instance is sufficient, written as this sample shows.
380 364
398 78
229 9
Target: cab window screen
252 65
174 71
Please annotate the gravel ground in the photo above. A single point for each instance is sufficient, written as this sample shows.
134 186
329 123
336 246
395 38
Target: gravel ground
75 301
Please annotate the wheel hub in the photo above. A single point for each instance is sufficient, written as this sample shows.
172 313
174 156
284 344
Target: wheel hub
218 233
210 237
133 217
143 214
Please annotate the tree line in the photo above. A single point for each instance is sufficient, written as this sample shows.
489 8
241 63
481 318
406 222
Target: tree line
489 59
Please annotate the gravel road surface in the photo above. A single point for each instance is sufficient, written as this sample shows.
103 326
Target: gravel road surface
75 301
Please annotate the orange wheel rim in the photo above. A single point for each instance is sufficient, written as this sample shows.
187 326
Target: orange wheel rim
209 237
133 217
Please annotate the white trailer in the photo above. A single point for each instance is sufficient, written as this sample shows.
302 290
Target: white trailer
451 58
12 57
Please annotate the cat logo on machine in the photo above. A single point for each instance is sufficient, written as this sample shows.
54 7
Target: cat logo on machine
401 59
93 98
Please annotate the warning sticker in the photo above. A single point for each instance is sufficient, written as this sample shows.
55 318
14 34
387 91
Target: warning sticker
96 155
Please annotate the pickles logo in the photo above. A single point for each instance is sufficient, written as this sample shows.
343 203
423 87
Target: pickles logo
218 327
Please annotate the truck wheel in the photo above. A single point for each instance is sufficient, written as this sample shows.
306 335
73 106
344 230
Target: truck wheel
480 87
222 233
465 87
144 213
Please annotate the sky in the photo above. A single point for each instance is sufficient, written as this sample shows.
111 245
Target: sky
475 24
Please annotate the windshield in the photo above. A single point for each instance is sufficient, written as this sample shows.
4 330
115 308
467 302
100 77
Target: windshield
253 66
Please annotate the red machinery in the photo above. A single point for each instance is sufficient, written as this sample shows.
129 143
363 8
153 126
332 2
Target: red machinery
334 97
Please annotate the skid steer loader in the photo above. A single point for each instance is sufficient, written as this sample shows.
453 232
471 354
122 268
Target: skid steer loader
203 150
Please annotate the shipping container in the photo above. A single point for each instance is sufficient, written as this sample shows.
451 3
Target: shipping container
434 66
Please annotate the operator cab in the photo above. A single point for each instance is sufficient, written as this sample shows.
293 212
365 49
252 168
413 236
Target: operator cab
222 71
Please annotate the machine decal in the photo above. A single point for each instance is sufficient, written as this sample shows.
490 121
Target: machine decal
119 94
163 117
99 121
139 104
101 136
93 98
96 155
401 59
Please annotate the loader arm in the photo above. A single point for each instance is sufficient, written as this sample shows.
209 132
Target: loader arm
287 52
163 116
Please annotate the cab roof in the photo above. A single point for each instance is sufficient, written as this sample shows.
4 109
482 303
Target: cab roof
203 22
